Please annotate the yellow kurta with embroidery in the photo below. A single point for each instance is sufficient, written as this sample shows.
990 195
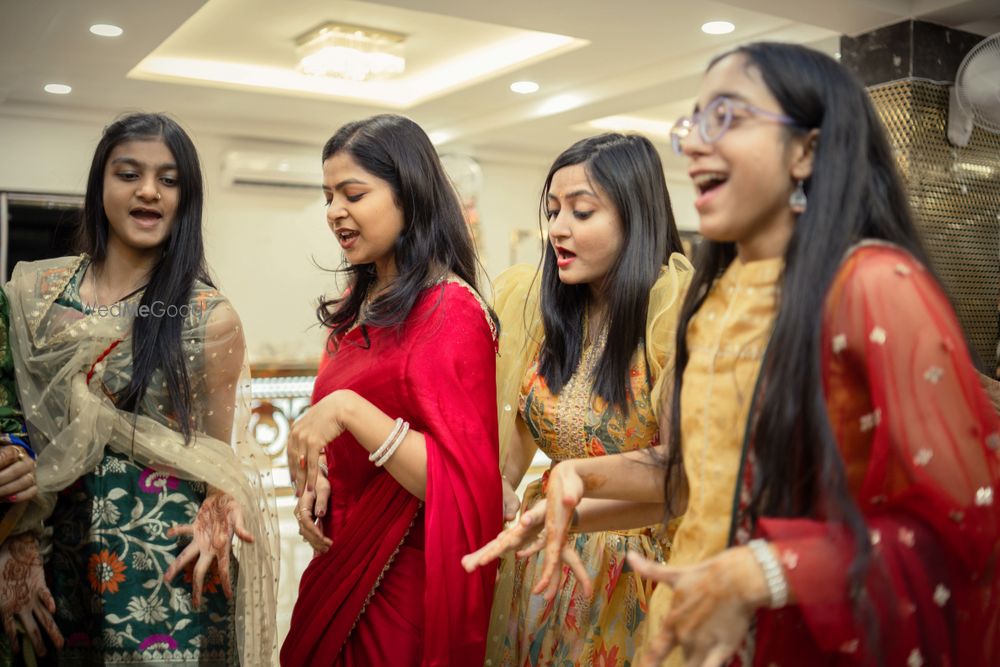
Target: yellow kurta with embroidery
574 630
726 342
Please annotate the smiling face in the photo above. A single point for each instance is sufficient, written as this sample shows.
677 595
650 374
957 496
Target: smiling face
362 212
745 178
141 194
585 230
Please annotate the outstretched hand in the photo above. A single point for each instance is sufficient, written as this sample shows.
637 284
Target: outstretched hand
563 494
219 518
525 537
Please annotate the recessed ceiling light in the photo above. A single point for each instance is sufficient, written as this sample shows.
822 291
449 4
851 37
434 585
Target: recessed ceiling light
106 30
718 28
524 87
58 88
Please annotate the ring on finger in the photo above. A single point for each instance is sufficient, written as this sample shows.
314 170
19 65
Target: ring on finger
324 469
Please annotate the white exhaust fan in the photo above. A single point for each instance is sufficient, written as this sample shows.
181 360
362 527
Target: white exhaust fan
975 97
276 170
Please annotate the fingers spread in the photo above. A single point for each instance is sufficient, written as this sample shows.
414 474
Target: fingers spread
200 572
572 558
48 623
10 631
240 527
189 554
31 629
180 529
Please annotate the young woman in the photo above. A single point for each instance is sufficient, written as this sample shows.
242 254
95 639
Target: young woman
403 422
840 457
585 370
131 370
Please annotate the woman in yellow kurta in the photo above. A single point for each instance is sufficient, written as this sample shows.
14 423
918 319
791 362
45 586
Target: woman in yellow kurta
580 376
839 489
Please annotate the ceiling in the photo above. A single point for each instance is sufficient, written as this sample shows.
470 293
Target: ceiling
637 59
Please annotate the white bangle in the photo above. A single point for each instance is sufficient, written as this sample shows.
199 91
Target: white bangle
777 585
388 441
394 446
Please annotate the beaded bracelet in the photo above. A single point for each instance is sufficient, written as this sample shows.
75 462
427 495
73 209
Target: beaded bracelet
777 585
379 462
388 441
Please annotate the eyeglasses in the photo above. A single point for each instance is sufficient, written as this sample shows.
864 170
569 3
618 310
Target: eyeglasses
715 119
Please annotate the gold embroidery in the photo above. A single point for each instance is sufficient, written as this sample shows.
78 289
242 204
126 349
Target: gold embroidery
573 402
385 569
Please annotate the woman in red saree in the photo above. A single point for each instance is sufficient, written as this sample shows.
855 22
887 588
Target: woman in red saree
833 454
398 456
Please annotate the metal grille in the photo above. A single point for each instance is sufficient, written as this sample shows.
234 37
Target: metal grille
955 195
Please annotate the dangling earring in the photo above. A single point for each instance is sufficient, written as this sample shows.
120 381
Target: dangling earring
798 199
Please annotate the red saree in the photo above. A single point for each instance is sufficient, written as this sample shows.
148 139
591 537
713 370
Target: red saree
391 589
922 453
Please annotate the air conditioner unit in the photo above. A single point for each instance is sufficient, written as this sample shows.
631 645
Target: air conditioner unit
254 168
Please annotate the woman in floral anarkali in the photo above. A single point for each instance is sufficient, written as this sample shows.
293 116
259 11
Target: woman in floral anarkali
839 456
130 369
585 370
402 430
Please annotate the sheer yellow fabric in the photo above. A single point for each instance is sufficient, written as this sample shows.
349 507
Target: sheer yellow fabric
516 304
70 421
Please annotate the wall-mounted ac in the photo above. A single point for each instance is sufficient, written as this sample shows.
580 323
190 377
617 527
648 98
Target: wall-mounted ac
263 169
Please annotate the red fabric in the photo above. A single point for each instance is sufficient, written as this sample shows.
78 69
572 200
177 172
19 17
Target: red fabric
919 439
439 375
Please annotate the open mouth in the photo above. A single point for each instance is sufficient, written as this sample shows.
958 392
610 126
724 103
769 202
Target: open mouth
346 236
708 181
564 257
146 215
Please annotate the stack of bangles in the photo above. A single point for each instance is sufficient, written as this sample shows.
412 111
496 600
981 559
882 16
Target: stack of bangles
385 451
777 585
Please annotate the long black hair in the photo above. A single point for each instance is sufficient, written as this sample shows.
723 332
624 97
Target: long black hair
854 193
435 240
156 339
628 170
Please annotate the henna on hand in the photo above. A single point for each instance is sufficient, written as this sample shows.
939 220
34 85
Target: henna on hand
219 518
24 595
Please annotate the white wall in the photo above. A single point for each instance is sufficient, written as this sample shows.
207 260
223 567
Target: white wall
262 245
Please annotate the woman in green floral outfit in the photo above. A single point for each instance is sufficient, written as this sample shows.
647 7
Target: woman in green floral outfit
131 368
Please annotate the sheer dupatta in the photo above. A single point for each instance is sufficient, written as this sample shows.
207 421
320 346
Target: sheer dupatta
64 362
921 450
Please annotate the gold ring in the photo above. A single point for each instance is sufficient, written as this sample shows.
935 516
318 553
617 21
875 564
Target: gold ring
20 453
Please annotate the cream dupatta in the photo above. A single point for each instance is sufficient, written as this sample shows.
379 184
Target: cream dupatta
65 359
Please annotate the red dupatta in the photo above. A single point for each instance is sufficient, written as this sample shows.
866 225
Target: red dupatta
921 451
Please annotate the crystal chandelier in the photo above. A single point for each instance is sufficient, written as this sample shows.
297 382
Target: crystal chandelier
350 52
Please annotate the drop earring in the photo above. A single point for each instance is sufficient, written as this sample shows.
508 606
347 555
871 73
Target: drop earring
798 199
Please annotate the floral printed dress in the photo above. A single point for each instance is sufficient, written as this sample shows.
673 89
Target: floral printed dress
573 630
110 551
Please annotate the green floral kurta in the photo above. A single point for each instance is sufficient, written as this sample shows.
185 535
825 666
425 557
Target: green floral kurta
110 550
